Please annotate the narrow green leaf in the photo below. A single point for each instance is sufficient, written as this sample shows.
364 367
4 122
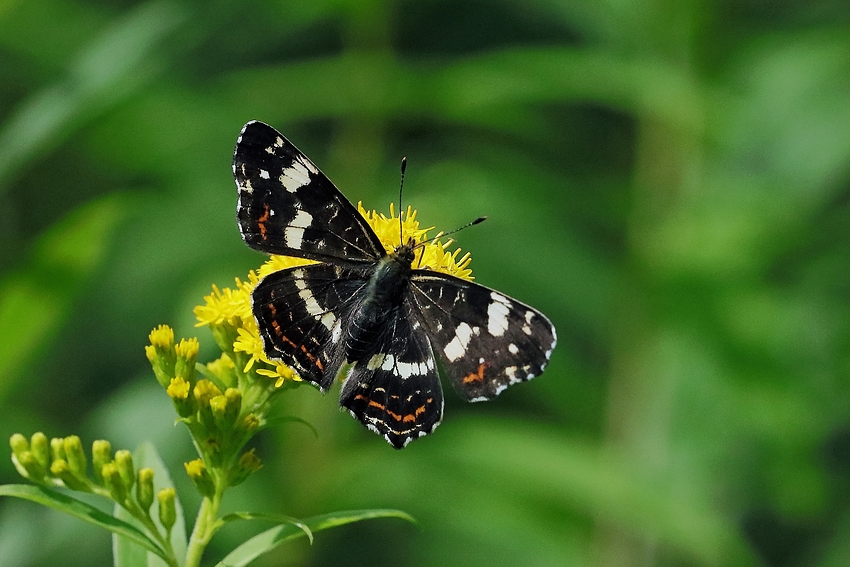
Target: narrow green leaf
275 421
278 518
270 539
125 552
81 510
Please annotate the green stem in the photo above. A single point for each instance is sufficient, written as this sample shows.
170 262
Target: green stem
204 528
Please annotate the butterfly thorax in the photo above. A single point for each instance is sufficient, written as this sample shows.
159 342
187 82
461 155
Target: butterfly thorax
384 295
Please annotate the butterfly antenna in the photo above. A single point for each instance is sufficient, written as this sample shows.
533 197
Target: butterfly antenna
442 234
467 225
400 187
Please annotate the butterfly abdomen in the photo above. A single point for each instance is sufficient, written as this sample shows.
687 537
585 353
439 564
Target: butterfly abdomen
383 297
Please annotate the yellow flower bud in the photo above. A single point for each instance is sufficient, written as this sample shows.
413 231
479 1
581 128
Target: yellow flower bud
57 448
28 466
187 355
40 448
161 354
167 508
124 464
19 443
113 482
200 476
75 456
144 488
178 390
101 453
61 470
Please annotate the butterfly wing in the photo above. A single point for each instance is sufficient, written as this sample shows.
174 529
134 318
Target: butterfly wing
485 340
396 392
301 315
287 206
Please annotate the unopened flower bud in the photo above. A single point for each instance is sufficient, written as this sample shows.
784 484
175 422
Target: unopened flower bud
178 390
113 482
250 422
124 463
144 488
75 456
19 443
28 466
200 476
57 448
167 508
187 356
101 453
61 470
249 462
161 354
40 448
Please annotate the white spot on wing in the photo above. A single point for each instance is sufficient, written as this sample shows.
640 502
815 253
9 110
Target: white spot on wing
264 174
310 303
497 315
306 163
294 177
513 348
302 219
293 236
457 346
328 320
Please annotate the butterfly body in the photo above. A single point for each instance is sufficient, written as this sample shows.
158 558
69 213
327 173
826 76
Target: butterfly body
382 298
371 309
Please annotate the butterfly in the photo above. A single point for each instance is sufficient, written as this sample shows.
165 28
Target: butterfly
370 309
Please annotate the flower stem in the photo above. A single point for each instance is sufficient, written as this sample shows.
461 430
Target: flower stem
204 528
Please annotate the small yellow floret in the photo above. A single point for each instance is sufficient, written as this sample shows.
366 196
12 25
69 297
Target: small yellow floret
196 468
205 391
187 348
178 389
162 337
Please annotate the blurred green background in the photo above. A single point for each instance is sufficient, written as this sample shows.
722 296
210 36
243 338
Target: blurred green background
667 180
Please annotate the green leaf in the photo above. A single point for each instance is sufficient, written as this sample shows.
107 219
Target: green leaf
81 510
279 518
125 552
275 421
270 539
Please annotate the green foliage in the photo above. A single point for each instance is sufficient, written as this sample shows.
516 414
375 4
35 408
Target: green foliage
668 181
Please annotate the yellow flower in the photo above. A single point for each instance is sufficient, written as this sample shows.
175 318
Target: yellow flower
431 255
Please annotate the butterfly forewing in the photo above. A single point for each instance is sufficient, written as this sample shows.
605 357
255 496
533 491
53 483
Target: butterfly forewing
287 206
485 340
301 314
396 391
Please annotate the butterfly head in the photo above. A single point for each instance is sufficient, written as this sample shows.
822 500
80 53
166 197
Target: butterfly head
406 253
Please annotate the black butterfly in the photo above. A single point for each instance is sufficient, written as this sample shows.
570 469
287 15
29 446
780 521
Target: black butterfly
363 306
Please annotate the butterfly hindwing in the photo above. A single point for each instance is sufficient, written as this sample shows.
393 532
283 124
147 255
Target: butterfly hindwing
485 340
396 392
287 206
301 314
